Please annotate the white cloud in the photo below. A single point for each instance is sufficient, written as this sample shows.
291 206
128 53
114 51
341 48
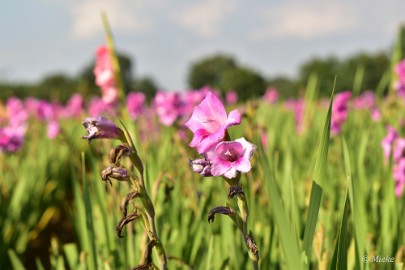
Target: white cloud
205 17
122 16
305 20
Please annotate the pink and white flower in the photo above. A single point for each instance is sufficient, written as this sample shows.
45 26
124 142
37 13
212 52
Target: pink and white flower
231 157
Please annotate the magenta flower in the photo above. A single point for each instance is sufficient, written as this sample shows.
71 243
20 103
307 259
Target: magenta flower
231 97
74 106
100 128
168 106
339 111
53 129
104 73
12 138
388 141
399 150
271 95
97 106
135 103
298 107
209 123
231 157
399 177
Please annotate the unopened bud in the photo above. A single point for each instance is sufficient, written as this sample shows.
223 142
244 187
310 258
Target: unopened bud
201 166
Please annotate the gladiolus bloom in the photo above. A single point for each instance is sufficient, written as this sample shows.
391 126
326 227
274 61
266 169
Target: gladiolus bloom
388 141
209 123
339 111
231 157
135 102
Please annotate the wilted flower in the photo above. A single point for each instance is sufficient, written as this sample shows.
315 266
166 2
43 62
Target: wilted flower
135 103
209 123
101 128
231 157
339 111
117 173
388 141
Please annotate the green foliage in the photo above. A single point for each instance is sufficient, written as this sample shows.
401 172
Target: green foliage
209 70
374 65
244 81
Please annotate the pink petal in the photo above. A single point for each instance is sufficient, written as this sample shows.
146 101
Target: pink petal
220 166
242 165
234 118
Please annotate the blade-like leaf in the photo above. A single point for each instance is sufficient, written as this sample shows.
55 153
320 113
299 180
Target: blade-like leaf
318 178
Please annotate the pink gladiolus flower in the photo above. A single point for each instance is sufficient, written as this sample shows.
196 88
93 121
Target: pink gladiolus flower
97 107
104 73
12 138
298 107
231 97
231 157
135 103
399 150
400 71
74 106
388 141
271 95
339 111
168 106
209 123
399 177
53 129
100 128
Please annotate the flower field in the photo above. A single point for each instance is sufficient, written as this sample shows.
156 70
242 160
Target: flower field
200 180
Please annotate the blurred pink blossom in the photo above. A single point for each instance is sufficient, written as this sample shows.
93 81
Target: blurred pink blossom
104 73
74 106
135 104
168 106
399 177
209 123
271 95
231 97
98 107
339 111
388 141
53 129
297 106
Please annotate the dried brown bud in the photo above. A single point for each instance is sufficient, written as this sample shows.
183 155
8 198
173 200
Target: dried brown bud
117 173
117 153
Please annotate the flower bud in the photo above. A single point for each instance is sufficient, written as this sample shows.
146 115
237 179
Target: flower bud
201 166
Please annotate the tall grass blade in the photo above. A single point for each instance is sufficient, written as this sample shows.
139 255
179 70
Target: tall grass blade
289 243
318 179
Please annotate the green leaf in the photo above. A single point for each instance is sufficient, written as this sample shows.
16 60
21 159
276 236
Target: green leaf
15 261
289 243
339 259
318 179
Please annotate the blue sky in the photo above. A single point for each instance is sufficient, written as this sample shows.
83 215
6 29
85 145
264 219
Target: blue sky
163 37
